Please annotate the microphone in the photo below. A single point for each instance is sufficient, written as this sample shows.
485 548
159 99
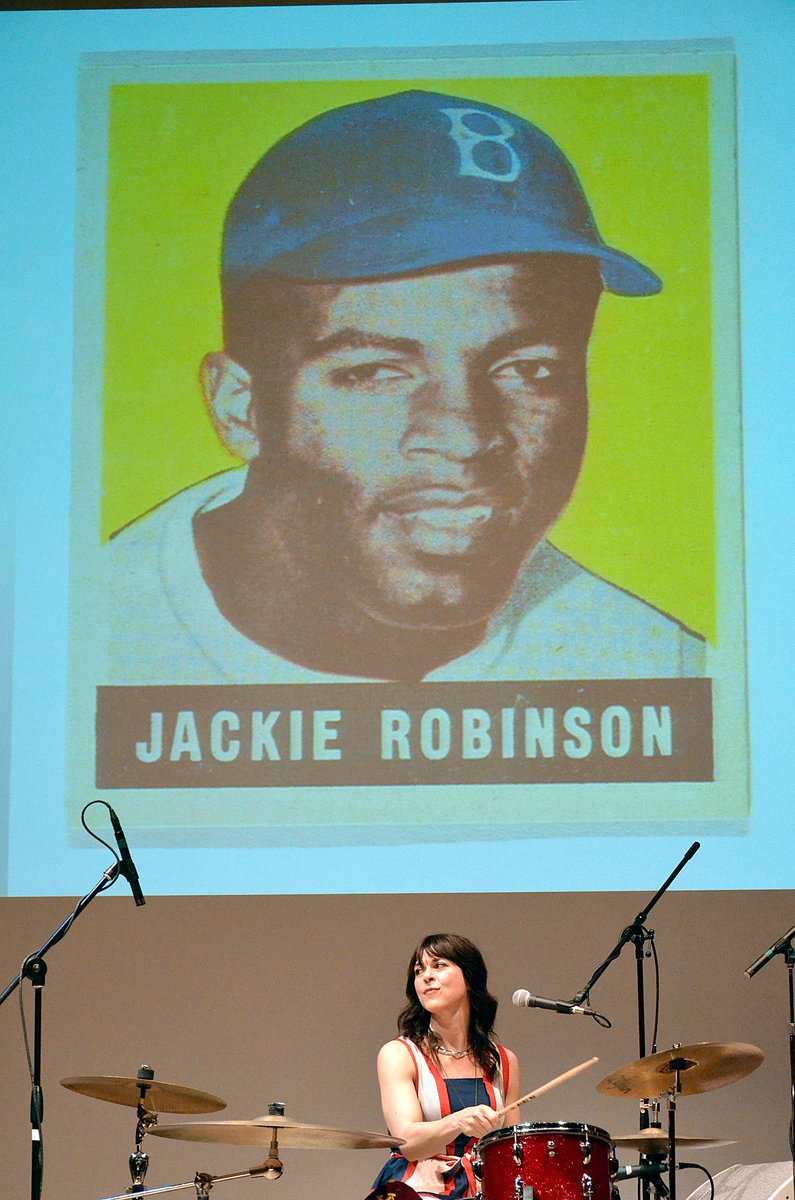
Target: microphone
126 866
641 1171
776 948
524 999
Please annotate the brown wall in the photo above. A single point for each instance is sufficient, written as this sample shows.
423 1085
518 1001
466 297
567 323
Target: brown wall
259 998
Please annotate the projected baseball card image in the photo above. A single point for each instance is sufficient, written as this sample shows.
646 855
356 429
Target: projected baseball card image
407 494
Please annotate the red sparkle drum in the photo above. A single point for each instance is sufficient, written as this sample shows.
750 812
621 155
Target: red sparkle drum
549 1161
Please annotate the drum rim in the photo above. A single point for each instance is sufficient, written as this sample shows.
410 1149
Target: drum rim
594 1132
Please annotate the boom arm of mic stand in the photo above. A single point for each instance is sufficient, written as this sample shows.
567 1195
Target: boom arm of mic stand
640 919
110 876
634 930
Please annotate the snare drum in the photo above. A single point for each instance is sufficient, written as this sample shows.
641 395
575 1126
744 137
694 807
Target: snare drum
554 1161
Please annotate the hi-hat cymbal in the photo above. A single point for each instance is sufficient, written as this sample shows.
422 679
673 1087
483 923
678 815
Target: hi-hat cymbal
157 1096
701 1067
291 1133
655 1141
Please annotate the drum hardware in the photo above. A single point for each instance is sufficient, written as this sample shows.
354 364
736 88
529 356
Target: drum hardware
201 1184
139 1164
139 1161
273 1167
678 1064
146 1095
267 1129
682 1071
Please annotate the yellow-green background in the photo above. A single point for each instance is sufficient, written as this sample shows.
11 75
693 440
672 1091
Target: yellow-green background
644 511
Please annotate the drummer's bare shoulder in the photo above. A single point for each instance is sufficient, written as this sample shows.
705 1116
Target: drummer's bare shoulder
397 1079
395 1059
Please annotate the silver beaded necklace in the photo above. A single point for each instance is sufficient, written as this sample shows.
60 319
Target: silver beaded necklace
453 1053
437 1046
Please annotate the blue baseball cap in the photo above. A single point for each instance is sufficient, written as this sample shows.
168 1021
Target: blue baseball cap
408 182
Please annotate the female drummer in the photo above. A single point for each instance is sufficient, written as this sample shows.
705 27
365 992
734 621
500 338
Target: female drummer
444 1080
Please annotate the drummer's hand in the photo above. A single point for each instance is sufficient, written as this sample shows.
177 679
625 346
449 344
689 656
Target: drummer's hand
476 1122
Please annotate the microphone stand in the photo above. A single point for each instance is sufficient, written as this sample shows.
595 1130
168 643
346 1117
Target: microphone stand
784 946
35 969
639 935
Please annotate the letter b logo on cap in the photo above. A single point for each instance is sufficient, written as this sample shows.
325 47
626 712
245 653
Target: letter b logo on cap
486 137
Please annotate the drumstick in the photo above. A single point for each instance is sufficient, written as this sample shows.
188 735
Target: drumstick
545 1087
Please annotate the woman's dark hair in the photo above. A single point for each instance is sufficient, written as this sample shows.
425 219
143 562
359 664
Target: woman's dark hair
414 1021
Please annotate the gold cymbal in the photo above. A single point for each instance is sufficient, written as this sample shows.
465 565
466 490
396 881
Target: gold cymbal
655 1141
702 1067
157 1096
291 1134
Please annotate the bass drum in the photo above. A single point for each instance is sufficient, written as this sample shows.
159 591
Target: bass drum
550 1161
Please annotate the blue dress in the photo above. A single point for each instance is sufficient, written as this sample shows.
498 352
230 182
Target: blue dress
447 1175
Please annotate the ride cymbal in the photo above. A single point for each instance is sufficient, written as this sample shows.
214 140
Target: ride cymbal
697 1068
152 1093
290 1133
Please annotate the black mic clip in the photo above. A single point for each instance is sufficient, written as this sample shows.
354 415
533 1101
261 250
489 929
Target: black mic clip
651 1171
126 864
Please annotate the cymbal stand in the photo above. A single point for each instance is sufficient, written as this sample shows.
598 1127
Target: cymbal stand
657 1159
651 1168
139 1161
202 1183
678 1065
672 1137
273 1166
